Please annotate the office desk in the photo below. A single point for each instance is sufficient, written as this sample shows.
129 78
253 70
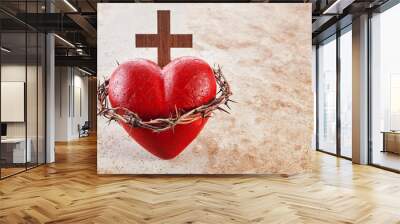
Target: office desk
13 150
391 141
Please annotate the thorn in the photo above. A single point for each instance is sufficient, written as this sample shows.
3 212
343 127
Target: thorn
229 100
226 104
117 62
219 108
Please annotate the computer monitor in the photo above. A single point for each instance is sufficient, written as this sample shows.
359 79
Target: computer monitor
3 129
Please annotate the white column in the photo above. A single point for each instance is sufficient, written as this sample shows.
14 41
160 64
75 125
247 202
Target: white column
360 90
50 99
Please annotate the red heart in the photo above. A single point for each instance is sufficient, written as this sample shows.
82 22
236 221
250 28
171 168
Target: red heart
142 87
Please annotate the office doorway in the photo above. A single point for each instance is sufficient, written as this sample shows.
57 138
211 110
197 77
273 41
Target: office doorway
75 104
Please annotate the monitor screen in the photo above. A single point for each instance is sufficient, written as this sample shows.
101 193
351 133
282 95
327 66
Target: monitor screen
3 129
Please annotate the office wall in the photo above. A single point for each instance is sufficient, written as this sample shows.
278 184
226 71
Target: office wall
265 54
71 102
62 81
81 102
15 72
33 126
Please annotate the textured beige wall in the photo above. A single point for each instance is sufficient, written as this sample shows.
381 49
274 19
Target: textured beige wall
265 51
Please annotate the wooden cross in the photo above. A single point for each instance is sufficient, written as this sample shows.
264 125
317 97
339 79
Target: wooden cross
164 40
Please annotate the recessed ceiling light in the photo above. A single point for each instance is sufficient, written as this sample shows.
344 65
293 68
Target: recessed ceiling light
5 50
84 71
337 7
64 40
70 5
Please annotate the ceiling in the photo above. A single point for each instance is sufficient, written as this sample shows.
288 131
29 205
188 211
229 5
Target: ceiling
75 21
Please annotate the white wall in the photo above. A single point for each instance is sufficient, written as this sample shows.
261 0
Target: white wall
12 73
33 126
80 108
70 109
16 73
62 81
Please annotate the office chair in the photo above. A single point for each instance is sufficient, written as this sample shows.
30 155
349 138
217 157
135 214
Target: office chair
84 130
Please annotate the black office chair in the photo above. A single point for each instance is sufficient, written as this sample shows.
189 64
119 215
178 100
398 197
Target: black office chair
84 130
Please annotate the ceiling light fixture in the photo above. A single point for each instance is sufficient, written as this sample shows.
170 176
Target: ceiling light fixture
84 71
79 51
70 5
5 50
337 7
65 41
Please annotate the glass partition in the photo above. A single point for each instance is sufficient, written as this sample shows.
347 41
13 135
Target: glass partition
32 88
31 97
14 155
334 94
41 96
22 78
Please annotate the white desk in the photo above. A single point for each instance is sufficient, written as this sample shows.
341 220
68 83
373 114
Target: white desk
18 148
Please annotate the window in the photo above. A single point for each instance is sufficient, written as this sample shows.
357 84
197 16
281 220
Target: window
334 106
385 89
346 93
327 96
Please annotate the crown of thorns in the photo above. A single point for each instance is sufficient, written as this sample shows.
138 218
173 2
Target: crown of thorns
126 116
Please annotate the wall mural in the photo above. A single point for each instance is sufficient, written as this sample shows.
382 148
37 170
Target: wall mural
204 88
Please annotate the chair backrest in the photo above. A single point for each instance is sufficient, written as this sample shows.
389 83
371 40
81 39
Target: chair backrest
86 125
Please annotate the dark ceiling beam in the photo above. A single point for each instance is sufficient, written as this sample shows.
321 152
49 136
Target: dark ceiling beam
10 25
65 51
84 24
49 22
332 29
76 61
79 18
16 18
326 20
91 5
321 22
336 16
337 7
